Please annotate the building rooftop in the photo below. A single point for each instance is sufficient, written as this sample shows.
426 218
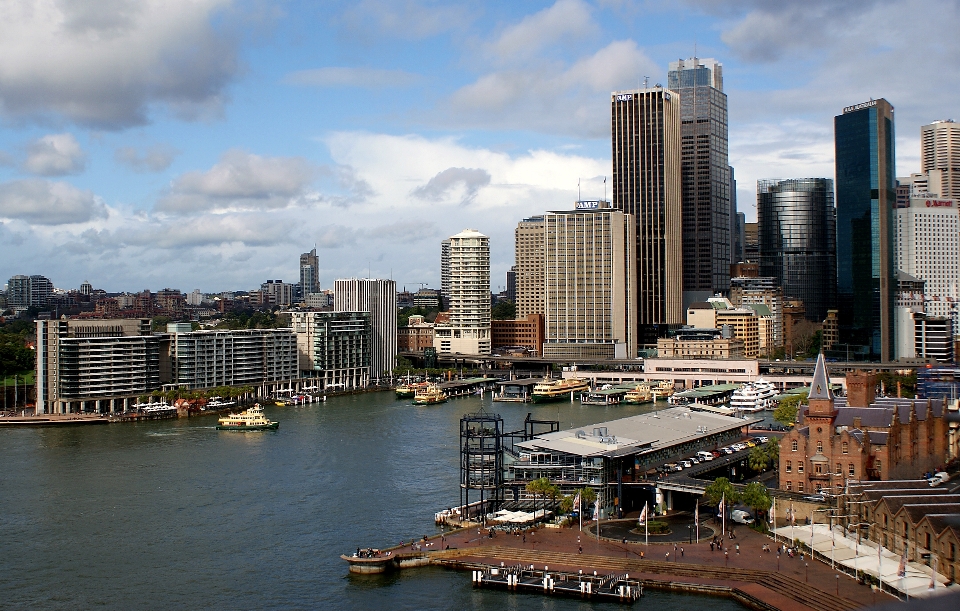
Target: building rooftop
637 434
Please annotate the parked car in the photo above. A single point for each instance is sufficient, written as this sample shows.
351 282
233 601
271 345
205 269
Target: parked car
815 498
763 439
939 478
686 464
741 517
705 456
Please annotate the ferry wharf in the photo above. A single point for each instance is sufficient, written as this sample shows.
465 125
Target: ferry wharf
743 570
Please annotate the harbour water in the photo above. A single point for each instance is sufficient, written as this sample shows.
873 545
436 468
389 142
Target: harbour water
175 514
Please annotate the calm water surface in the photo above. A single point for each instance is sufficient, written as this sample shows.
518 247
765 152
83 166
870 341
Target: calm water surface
176 514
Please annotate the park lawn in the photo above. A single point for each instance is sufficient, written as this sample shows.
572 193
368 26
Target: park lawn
24 377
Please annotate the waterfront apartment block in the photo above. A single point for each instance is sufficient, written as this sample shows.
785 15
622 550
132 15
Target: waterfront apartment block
445 273
468 331
379 297
645 130
334 347
95 365
27 291
866 192
591 260
530 269
206 359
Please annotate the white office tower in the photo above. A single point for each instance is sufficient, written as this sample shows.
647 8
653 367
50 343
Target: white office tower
379 297
469 329
940 150
928 248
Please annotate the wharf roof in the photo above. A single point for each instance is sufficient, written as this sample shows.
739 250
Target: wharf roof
708 391
942 521
637 434
916 511
894 503
523 382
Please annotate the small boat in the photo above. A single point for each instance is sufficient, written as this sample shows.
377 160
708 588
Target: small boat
405 391
431 395
247 420
556 390
641 393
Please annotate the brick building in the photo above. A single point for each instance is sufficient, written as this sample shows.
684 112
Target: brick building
416 336
860 438
526 332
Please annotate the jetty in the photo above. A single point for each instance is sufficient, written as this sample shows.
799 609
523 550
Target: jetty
54 420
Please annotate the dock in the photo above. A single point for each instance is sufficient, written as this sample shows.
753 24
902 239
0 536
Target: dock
469 386
516 391
54 420
520 578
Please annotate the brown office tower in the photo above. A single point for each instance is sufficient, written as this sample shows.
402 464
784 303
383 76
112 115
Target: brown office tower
645 125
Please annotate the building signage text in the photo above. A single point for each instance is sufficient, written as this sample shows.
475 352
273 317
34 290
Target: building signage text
939 203
860 106
624 97
588 204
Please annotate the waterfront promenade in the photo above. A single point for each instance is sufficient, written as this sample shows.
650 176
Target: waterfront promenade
790 584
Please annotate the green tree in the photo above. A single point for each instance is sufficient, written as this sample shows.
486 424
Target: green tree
757 497
538 487
504 310
786 412
758 460
772 448
160 323
721 488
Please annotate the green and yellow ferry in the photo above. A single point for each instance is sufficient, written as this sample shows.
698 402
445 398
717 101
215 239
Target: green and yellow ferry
556 390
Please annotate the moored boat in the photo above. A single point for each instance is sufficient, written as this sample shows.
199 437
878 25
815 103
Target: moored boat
431 395
754 397
663 388
248 420
555 390
405 391
641 393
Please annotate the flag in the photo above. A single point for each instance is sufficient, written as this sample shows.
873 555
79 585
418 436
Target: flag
902 571
722 500
576 503
596 509
696 514
643 515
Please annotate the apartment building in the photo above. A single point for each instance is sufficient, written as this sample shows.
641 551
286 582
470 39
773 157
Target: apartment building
333 347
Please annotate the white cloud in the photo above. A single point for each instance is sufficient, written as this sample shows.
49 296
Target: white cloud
367 78
551 97
54 155
562 22
239 181
156 158
42 202
105 63
404 19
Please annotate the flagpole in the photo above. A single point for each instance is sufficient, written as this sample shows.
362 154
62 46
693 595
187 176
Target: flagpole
646 531
723 513
696 519
879 564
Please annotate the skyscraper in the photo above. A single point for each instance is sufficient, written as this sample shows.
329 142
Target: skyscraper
798 240
866 192
309 273
528 254
379 297
591 258
940 150
645 130
705 172
469 328
445 274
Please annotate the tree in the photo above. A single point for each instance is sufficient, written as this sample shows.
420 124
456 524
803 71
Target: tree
758 460
786 412
536 487
757 497
504 310
772 448
721 488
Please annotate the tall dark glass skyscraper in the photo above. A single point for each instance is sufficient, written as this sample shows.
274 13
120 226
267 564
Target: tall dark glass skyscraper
705 172
798 240
866 192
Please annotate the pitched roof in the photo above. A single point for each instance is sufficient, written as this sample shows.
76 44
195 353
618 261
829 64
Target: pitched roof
820 388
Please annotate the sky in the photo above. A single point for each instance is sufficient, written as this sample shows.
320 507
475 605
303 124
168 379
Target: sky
205 144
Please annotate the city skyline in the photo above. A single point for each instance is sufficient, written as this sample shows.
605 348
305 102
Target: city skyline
280 138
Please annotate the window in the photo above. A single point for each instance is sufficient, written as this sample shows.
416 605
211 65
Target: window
794 446
851 470
818 468
789 467
799 486
878 465
800 466
843 447
839 469
789 485
819 447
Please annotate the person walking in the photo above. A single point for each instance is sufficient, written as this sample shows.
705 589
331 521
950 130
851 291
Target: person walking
681 551
738 549
711 546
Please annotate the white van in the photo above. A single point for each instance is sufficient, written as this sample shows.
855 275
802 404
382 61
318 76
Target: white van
939 478
741 517
704 456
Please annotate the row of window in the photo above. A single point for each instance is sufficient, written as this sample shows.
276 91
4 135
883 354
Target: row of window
844 447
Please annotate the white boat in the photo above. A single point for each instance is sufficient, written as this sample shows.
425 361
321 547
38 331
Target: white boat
754 397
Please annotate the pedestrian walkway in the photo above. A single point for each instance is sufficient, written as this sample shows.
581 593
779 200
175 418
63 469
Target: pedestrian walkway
846 553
